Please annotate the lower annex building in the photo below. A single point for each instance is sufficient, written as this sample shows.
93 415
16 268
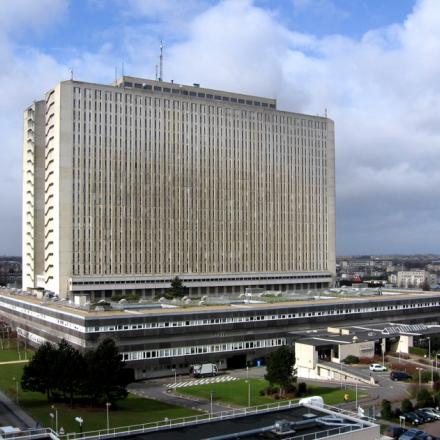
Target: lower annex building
155 339
128 185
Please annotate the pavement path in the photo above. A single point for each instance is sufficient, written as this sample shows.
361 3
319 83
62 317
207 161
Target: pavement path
206 381
157 391
24 361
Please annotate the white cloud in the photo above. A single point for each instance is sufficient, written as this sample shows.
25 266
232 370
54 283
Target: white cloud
30 14
382 90
25 74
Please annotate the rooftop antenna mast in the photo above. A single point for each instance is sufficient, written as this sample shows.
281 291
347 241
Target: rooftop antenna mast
156 67
161 62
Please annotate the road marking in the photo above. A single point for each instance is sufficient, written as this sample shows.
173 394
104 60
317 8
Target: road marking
201 382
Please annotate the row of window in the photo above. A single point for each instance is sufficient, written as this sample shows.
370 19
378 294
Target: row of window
345 310
201 349
192 93
254 318
198 280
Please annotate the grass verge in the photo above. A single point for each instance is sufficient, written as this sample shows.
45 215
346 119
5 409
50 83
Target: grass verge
133 410
237 393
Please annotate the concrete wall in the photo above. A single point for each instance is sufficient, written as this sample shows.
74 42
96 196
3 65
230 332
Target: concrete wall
362 349
306 355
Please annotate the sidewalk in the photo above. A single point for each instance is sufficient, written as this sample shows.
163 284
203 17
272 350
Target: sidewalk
24 361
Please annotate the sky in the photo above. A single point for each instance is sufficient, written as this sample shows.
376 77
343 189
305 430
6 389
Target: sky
373 64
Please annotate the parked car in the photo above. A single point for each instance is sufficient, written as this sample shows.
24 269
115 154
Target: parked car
412 418
411 434
400 375
394 431
426 418
377 367
432 412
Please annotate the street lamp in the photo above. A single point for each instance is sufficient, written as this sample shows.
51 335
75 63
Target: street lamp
16 388
108 405
56 417
429 356
80 420
356 395
420 377
211 400
340 374
175 376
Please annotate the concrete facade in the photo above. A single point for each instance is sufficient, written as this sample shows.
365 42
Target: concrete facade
145 180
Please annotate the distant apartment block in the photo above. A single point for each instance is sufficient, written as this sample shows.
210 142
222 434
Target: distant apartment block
127 185
413 278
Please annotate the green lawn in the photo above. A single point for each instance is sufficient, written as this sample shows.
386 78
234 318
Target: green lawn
133 410
10 352
236 392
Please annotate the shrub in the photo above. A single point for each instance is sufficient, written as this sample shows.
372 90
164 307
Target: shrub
351 360
272 390
291 389
302 389
370 360
406 406
419 351
424 399
408 368
426 376
386 411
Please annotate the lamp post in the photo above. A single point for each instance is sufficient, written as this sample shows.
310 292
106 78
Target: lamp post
175 376
16 389
356 396
340 373
80 421
108 405
211 401
56 417
429 356
420 377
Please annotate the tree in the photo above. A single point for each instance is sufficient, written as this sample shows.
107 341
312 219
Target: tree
386 411
279 368
40 373
424 399
406 406
425 286
177 289
70 364
106 378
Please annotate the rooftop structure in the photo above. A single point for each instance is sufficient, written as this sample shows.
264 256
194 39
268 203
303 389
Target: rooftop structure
281 420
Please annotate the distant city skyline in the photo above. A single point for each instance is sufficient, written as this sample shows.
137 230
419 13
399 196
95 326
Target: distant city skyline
372 65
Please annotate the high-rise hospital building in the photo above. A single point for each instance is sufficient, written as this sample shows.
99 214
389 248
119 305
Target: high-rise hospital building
127 185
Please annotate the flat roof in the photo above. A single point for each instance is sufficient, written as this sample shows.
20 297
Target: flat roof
346 301
260 426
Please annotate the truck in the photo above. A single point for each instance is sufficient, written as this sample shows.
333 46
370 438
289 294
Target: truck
204 370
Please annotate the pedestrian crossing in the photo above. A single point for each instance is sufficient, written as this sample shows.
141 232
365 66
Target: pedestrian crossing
204 381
